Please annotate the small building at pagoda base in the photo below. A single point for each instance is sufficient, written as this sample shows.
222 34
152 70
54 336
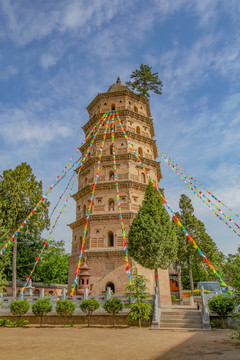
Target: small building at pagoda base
84 279
104 243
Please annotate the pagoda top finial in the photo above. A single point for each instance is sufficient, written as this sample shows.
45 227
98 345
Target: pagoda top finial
118 80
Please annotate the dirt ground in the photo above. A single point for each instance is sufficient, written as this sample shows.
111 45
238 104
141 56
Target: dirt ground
115 344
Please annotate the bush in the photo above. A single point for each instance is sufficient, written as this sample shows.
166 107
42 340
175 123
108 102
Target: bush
88 306
19 323
19 307
65 309
139 311
113 306
221 305
41 308
173 297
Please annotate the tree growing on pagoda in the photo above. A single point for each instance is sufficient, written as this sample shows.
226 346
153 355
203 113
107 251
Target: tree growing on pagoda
188 258
144 81
152 240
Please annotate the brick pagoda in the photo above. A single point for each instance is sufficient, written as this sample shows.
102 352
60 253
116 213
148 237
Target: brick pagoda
104 244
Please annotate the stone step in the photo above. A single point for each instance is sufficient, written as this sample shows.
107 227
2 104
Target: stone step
192 321
181 313
182 316
180 325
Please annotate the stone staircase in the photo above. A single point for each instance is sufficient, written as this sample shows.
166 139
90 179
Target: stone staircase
181 318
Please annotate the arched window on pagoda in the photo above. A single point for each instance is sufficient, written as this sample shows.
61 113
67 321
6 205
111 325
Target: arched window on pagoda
113 107
85 181
110 239
111 205
138 130
135 109
140 151
84 210
143 178
111 175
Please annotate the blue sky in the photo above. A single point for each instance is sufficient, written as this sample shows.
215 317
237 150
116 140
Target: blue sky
56 56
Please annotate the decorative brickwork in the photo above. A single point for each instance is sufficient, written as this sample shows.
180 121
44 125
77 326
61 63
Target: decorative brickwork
104 243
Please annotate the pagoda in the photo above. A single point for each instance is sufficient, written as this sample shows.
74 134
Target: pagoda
104 243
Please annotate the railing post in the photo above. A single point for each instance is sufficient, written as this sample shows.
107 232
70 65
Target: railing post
205 311
21 295
85 295
42 293
108 293
156 311
63 297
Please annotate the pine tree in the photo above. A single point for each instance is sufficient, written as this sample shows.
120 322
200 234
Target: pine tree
152 240
188 257
145 80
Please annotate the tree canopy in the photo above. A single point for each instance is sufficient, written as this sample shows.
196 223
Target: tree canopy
152 240
145 81
19 193
186 251
53 266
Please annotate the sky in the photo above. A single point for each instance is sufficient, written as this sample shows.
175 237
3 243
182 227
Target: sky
56 56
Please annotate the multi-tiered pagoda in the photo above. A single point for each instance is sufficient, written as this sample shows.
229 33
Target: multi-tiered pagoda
104 243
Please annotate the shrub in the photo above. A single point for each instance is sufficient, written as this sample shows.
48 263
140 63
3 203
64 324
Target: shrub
65 309
19 307
173 297
88 306
221 305
139 311
113 306
19 323
41 308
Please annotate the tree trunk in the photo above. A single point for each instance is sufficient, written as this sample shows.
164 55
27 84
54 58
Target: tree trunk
14 267
113 320
139 322
190 275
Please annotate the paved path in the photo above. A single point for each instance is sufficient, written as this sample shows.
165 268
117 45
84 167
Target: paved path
115 344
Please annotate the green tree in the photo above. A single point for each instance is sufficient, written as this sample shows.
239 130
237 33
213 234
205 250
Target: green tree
41 307
19 194
152 240
188 258
145 81
5 261
113 306
140 309
232 268
19 307
88 307
53 266
221 305
65 308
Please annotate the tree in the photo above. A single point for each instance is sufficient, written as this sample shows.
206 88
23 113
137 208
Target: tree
113 306
53 266
19 307
188 258
221 305
65 309
41 307
137 290
232 268
19 194
88 307
152 240
145 80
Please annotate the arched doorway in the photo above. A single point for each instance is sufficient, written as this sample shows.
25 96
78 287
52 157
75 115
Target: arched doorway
111 285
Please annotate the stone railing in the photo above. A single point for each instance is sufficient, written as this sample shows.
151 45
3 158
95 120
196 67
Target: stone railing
5 301
205 311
